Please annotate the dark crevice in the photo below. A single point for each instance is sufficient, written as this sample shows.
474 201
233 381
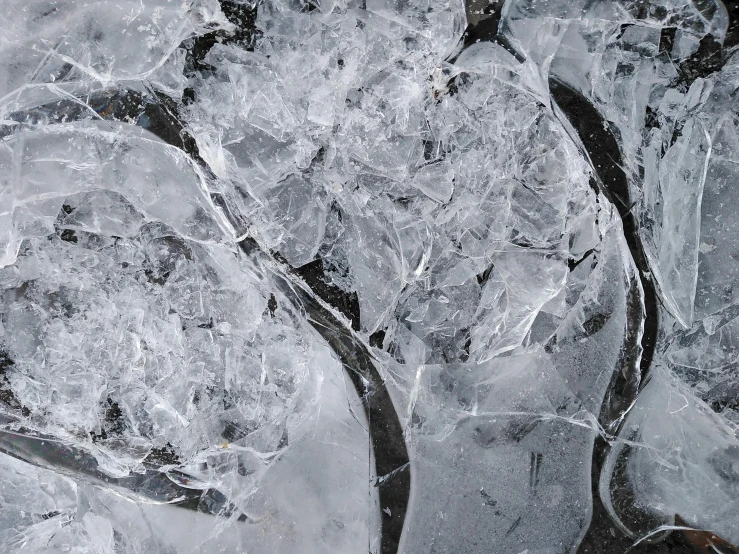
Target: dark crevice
7 396
385 429
377 339
605 155
573 263
162 456
483 277
114 423
486 26
707 60
243 17
667 40
272 305
345 302
732 33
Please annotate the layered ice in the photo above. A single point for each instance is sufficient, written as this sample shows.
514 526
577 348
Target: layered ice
337 278
46 42
659 76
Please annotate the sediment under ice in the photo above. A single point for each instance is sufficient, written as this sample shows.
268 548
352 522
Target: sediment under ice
342 276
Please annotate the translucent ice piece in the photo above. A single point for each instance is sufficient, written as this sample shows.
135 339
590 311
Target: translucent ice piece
675 203
717 285
47 42
40 168
677 457
648 84
436 181
299 217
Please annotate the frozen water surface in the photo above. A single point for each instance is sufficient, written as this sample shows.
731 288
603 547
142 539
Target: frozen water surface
375 276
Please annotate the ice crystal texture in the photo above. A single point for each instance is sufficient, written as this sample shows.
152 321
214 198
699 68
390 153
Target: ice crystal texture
344 276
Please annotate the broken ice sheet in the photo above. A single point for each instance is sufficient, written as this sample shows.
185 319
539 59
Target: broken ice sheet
294 219
653 80
79 157
142 343
44 509
681 174
651 88
50 42
154 325
128 339
716 269
459 224
678 457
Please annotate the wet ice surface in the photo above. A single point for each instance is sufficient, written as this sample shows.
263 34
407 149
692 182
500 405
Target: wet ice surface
340 277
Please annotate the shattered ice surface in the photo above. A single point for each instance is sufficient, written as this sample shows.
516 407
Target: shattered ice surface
346 276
